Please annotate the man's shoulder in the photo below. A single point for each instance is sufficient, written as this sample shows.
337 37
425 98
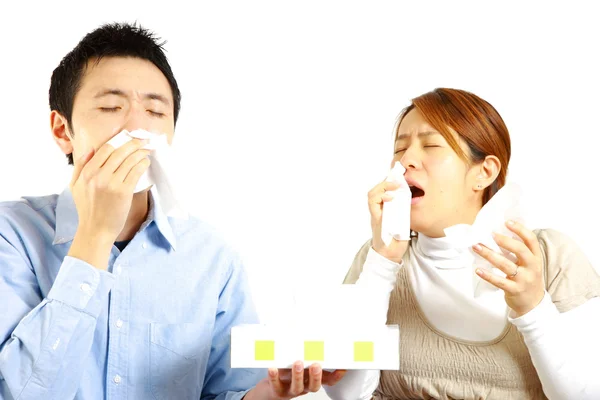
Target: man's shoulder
196 226
27 210
198 232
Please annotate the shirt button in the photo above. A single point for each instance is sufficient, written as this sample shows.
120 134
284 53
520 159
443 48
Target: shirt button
144 245
119 323
85 287
117 379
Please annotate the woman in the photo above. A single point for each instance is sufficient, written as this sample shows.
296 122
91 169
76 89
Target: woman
512 317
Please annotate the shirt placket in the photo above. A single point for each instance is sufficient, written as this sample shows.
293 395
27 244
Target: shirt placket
118 332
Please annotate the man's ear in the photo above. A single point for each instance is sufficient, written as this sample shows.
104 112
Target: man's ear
60 132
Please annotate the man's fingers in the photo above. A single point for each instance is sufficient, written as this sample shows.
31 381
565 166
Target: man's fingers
100 157
297 386
136 173
118 156
275 382
79 164
314 378
121 173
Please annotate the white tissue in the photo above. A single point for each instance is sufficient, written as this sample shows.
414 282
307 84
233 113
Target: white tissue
395 222
503 206
158 174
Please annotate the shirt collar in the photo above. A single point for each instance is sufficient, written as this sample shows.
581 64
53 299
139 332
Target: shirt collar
67 219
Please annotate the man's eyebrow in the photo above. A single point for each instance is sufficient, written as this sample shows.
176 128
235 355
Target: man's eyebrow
159 97
120 93
106 92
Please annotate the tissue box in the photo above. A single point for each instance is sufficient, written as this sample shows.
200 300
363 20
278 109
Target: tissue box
333 347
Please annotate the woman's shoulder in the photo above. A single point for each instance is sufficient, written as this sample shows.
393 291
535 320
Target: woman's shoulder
569 276
357 264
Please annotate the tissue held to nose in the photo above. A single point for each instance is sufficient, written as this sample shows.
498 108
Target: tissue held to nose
158 177
157 141
395 222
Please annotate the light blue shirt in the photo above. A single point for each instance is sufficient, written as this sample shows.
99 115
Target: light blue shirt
155 325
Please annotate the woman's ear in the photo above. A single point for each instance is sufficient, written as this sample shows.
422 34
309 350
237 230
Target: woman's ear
486 172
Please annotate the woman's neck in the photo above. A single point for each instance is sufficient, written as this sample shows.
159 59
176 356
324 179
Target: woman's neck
465 216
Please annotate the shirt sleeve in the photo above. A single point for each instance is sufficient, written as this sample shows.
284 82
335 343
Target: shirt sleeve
236 307
564 348
562 332
42 336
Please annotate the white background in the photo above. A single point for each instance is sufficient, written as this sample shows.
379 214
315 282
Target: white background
288 108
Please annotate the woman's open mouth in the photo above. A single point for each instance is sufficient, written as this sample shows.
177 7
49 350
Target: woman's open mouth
416 192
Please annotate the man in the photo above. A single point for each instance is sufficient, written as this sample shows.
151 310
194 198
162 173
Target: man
103 295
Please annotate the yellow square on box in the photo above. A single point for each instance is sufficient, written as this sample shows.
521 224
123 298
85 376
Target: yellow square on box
314 351
264 350
363 351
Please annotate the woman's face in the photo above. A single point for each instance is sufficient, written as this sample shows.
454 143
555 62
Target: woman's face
444 186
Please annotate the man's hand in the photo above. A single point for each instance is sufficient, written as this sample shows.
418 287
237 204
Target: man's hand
286 384
102 187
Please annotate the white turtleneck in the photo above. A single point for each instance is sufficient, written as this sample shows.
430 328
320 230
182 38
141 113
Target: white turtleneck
452 297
